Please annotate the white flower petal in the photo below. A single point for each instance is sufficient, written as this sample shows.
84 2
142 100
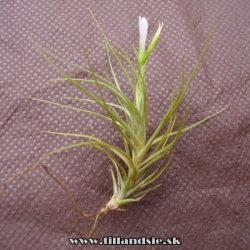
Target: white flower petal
143 28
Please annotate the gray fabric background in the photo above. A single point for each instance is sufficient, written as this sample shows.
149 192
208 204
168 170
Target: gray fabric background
204 198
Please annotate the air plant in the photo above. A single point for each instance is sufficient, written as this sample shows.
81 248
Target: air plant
134 165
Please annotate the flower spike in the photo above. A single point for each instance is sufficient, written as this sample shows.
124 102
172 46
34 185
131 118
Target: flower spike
143 28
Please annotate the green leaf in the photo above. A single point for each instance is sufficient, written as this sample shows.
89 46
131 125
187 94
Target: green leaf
69 107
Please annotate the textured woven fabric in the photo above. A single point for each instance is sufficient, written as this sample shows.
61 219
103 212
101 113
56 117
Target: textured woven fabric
204 197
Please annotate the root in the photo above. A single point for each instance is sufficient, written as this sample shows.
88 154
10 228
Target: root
6 183
111 205
94 225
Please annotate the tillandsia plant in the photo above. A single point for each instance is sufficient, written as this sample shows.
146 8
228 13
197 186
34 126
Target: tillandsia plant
134 165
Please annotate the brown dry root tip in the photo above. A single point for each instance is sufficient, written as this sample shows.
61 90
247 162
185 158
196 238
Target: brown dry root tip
111 205
54 178
94 225
20 172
